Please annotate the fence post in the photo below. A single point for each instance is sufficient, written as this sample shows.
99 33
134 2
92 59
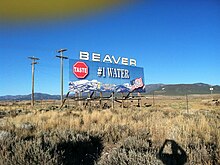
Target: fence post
187 103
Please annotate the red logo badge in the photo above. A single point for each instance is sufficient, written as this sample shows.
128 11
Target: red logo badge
80 69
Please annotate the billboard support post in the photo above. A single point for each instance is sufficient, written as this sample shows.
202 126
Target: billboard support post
100 100
80 102
77 96
122 102
112 100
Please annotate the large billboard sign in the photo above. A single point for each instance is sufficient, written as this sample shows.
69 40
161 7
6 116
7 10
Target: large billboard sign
92 72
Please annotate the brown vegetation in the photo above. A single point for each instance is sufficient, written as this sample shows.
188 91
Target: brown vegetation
129 135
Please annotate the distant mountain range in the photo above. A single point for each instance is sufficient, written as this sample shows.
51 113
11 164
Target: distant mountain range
165 89
182 89
37 96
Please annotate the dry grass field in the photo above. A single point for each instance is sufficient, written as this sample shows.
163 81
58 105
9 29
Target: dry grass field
163 131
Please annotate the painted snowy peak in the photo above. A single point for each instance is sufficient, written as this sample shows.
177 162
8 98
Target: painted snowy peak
94 85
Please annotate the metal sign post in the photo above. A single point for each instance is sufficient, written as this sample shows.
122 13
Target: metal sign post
211 90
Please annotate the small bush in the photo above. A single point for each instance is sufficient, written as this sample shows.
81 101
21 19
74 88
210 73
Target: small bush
56 147
131 151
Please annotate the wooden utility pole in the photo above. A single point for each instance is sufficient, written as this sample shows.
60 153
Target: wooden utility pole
61 72
33 68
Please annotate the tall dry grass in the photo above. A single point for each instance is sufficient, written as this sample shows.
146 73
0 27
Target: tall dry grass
131 135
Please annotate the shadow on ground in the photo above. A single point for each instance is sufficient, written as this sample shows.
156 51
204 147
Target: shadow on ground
174 154
80 152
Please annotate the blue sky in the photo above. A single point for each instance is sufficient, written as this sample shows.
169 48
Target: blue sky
175 42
